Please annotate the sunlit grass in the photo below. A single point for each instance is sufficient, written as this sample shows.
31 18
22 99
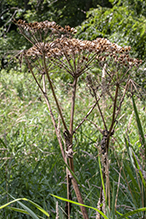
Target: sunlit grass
30 162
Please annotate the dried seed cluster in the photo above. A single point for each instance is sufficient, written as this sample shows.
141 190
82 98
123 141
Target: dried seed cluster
45 25
70 46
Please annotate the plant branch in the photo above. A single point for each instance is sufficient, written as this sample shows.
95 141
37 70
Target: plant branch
49 107
97 102
86 65
79 198
71 67
113 116
90 111
73 105
63 65
53 92
122 99
68 138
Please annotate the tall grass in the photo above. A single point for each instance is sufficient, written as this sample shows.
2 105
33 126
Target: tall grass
31 166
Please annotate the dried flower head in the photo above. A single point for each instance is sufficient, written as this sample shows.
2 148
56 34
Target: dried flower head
44 25
71 46
59 46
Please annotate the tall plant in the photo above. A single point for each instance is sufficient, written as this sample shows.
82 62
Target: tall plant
53 45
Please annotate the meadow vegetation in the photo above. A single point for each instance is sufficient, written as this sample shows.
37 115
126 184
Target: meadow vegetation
31 162
73 122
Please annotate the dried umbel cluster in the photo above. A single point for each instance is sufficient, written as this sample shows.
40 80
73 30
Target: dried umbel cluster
44 25
62 46
68 46
102 48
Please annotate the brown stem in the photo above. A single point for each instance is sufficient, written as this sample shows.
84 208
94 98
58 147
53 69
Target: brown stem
73 105
69 143
49 107
53 92
68 140
74 182
101 114
78 61
74 61
99 108
79 197
85 118
21 31
107 143
86 65
114 110
113 116
63 65
71 67
122 99
71 135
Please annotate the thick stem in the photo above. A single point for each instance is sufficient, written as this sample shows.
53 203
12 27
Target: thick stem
70 143
105 164
79 197
73 180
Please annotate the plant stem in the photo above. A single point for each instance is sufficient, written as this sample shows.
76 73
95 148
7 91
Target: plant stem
113 116
121 101
73 105
73 180
97 102
49 107
79 197
53 92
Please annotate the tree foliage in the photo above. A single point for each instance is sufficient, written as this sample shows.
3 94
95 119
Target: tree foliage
124 23
68 12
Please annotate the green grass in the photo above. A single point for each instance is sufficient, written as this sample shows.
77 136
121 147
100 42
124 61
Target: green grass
31 165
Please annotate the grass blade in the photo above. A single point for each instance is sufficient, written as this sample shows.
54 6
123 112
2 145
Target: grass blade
140 129
113 202
102 179
30 212
18 210
132 212
76 203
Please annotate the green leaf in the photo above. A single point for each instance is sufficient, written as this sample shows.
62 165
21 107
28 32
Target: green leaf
73 174
129 171
102 179
138 167
113 202
3 143
76 203
140 129
18 210
30 212
132 212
